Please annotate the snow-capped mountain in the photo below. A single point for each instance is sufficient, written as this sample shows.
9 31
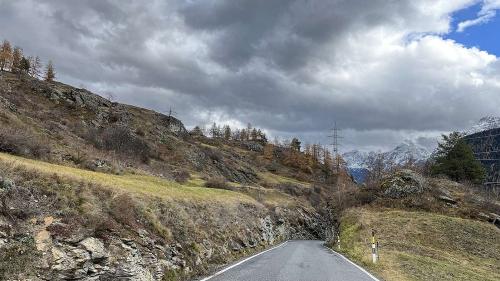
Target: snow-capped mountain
358 162
485 123
356 159
406 152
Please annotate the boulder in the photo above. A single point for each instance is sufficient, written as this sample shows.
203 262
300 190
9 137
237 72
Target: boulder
6 183
447 199
402 184
95 247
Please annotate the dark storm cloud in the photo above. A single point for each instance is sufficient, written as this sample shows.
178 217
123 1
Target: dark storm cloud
291 67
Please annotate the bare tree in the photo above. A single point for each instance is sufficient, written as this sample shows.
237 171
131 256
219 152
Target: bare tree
215 131
376 165
5 55
35 66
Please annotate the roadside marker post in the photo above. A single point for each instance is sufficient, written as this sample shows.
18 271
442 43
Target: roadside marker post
338 240
374 248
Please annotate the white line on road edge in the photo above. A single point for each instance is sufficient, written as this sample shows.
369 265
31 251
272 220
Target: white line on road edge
359 267
240 262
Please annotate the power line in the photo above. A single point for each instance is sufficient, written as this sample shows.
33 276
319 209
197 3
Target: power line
170 115
335 145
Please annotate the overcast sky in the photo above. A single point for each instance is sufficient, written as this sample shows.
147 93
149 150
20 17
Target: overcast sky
384 70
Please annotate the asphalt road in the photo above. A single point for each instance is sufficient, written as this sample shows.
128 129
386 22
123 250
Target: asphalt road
295 261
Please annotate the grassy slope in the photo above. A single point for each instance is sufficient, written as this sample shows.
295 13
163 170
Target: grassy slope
422 246
193 189
142 184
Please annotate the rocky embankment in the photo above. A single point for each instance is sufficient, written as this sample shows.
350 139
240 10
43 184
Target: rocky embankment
41 238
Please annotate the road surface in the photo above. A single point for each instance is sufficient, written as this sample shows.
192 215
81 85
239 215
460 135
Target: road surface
295 261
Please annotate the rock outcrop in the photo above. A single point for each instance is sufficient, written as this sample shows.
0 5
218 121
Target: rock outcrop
58 249
402 184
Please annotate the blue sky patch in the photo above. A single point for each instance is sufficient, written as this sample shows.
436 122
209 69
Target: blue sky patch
485 36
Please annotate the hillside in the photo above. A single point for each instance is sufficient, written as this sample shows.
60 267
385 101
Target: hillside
427 228
94 189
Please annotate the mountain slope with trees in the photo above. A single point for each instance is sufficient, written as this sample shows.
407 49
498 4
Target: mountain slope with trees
91 188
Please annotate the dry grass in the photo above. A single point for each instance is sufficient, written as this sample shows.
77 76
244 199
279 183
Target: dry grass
271 178
143 184
422 246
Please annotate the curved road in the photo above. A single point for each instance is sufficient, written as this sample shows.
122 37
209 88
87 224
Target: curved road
294 261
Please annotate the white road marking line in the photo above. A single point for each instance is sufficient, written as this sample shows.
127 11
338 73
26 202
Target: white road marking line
359 267
238 263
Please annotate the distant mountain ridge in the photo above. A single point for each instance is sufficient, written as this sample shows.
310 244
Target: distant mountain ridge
484 124
358 162
400 155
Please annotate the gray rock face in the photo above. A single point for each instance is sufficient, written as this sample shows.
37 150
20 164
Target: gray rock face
122 259
143 256
95 247
402 184
105 111
268 234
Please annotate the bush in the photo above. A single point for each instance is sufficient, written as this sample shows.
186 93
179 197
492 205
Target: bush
214 155
16 257
120 140
366 196
20 142
290 188
218 182
181 176
123 210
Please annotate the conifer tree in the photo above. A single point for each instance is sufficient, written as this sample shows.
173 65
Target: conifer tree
243 135
327 159
261 136
197 131
50 73
295 144
17 56
227 133
269 151
24 65
455 159
215 131
253 135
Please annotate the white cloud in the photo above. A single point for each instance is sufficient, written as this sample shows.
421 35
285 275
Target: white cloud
486 14
379 68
